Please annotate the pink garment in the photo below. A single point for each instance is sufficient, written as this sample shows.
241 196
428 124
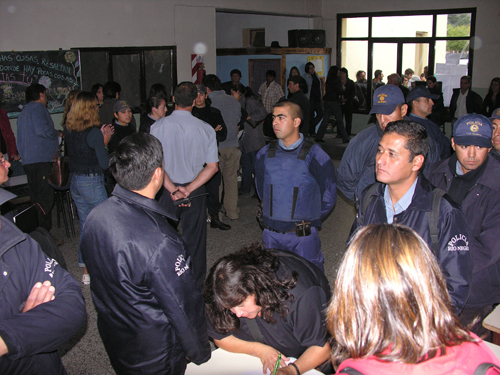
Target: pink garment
459 360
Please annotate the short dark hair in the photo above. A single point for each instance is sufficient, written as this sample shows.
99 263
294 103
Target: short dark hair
238 87
344 70
212 82
271 73
159 90
295 107
237 71
308 65
135 160
409 71
301 81
110 89
154 102
377 73
185 93
468 78
432 79
249 271
417 140
33 92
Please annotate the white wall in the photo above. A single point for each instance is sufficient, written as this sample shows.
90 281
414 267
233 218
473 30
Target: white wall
230 26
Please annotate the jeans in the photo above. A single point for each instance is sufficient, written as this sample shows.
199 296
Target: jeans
87 192
247 167
332 108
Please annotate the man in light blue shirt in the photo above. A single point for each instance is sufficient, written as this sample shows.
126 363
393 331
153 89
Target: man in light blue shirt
190 160
403 195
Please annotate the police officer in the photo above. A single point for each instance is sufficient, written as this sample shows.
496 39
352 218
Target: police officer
295 180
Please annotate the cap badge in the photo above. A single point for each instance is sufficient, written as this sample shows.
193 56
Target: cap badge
381 98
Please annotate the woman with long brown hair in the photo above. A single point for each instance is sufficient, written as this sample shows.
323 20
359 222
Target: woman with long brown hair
391 311
86 141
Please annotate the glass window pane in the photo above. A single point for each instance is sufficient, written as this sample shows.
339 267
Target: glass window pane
94 68
402 26
355 27
453 24
415 57
355 59
158 69
449 68
126 72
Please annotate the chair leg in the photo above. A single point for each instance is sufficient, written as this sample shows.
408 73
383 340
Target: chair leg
65 219
70 212
58 207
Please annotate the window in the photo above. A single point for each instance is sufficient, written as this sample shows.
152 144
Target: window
136 69
394 42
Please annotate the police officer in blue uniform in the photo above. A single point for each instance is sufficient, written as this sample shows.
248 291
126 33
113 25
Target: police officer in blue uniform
295 180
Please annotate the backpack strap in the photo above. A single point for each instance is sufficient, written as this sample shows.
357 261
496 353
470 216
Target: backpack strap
483 368
368 198
433 217
271 151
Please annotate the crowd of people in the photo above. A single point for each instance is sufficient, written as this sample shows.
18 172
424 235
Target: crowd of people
419 275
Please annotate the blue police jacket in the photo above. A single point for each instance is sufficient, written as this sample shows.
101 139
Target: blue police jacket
453 253
482 211
357 167
149 309
33 337
293 190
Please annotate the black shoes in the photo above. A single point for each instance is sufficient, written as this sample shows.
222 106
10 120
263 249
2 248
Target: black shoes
216 223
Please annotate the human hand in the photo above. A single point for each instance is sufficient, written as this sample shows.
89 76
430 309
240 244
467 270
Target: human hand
107 131
40 293
180 192
15 158
268 356
287 370
218 128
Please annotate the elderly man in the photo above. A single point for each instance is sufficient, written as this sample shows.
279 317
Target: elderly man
266 303
464 100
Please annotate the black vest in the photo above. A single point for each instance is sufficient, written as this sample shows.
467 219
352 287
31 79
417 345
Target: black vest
82 158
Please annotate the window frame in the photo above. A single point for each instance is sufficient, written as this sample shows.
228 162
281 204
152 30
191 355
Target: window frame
431 39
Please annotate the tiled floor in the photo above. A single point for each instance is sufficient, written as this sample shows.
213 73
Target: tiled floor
85 353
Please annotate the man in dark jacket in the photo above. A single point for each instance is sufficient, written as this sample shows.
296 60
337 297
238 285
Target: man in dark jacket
421 101
205 112
464 100
42 305
148 303
472 179
297 85
404 196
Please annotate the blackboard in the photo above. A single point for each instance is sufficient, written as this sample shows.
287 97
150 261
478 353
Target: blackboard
58 71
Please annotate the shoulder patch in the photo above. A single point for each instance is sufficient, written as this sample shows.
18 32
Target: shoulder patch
50 266
458 243
181 265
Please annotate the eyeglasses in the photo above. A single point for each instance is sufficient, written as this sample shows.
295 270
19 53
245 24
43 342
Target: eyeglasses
2 160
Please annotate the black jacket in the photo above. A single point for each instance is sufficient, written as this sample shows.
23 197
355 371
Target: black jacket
150 311
482 212
452 233
33 337
473 102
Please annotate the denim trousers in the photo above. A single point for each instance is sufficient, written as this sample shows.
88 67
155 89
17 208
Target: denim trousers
87 192
247 168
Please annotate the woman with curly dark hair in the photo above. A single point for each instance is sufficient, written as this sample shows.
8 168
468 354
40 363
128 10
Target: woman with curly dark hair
266 302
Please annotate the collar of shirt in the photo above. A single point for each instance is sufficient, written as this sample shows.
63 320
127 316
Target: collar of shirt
458 169
294 145
400 205
414 115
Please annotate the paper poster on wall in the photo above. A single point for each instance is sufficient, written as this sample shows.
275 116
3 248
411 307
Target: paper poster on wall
319 64
197 69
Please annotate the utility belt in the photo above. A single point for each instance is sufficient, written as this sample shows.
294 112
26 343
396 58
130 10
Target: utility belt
302 229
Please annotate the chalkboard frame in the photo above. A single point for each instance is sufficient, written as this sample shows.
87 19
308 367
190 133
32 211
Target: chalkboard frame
57 70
